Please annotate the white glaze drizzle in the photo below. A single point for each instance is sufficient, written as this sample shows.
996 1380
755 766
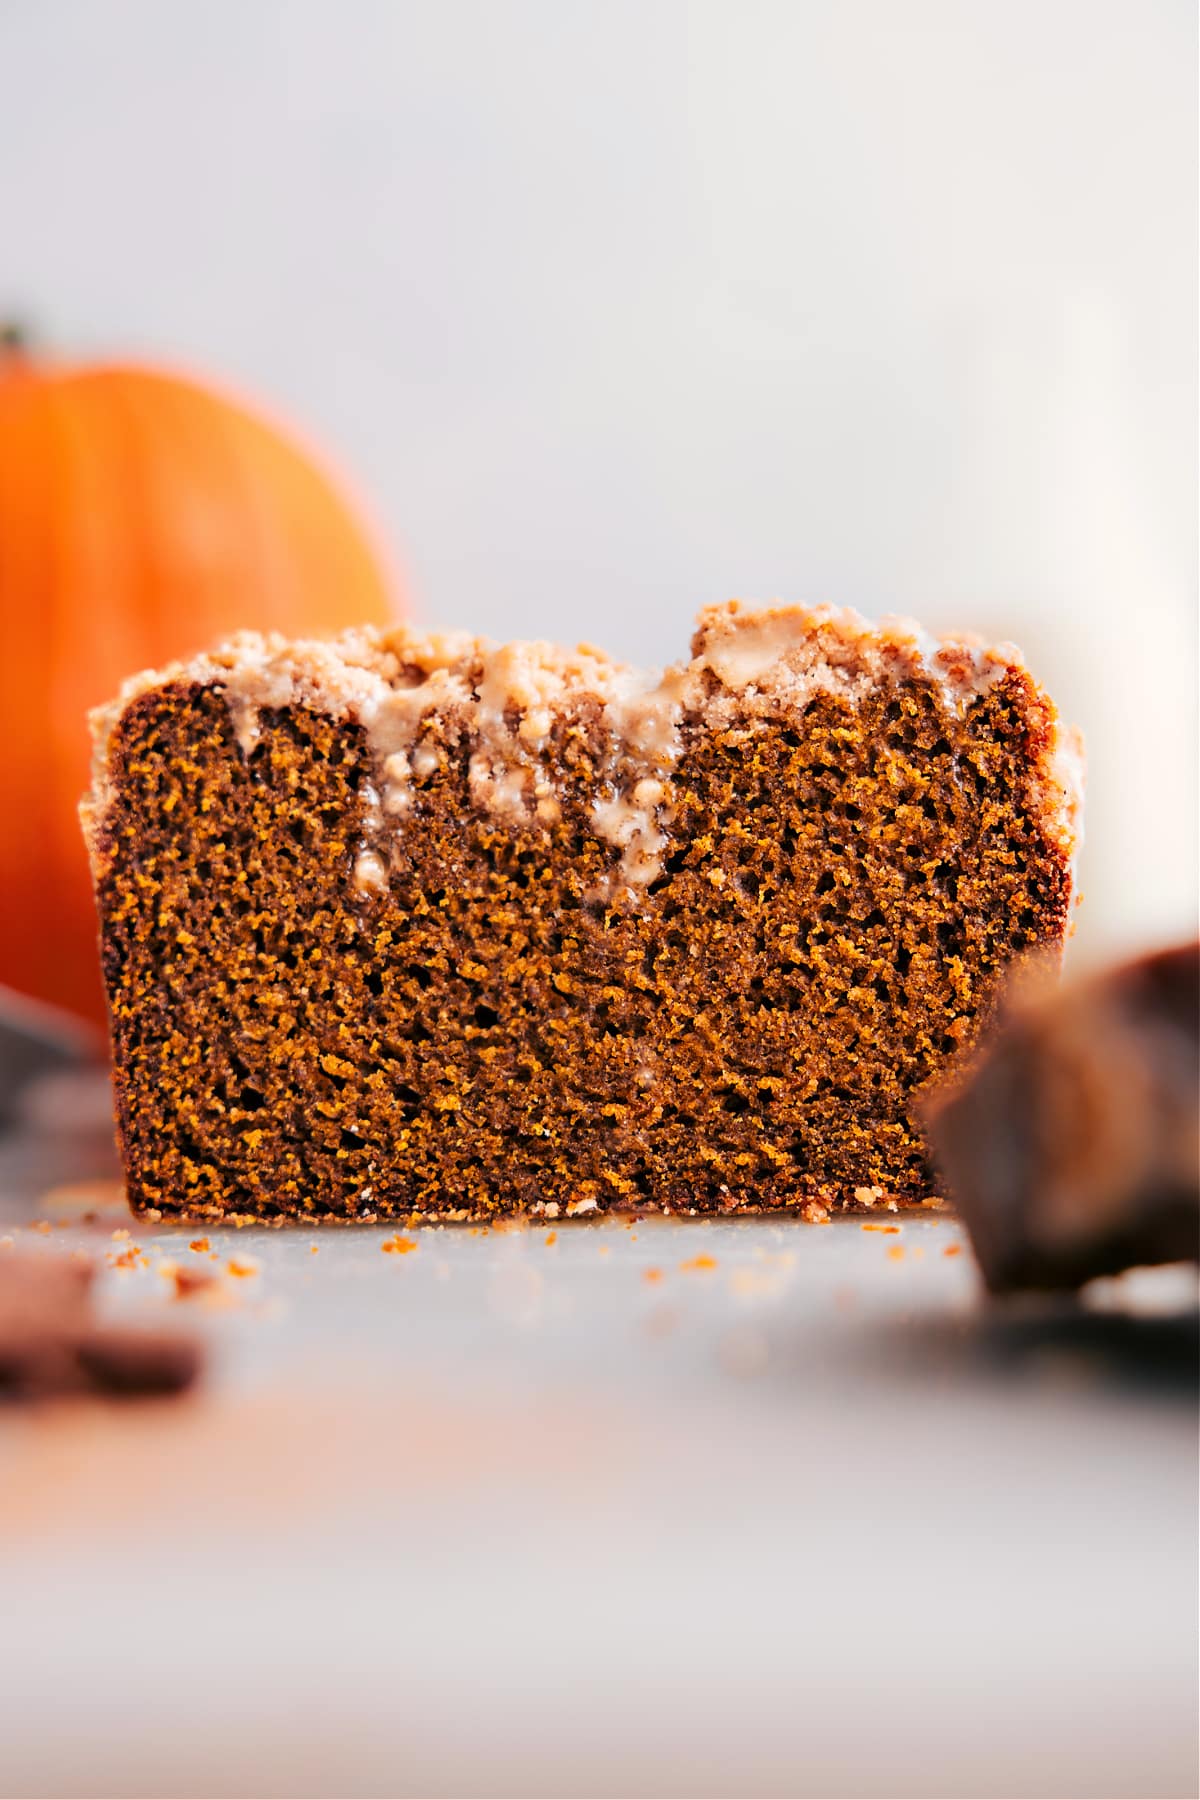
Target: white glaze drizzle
506 701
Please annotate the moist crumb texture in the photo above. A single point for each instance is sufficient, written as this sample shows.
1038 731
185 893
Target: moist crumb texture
401 925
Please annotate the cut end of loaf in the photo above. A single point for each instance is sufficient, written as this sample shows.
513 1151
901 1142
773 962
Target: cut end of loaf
400 923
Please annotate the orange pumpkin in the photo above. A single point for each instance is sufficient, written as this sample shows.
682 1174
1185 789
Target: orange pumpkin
142 517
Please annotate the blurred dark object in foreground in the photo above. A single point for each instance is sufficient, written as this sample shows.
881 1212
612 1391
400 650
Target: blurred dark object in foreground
56 1120
1072 1146
51 1343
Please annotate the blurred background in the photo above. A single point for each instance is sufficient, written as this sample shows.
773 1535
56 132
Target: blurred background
612 310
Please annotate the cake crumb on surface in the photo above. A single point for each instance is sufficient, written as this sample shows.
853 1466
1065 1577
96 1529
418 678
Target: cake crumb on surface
189 1281
398 1246
130 1258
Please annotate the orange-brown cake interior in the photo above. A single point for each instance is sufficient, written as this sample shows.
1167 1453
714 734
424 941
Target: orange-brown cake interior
695 943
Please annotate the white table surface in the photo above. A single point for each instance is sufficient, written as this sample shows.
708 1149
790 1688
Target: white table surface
506 1516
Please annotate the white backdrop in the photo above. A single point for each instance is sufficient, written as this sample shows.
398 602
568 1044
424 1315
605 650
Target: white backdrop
613 309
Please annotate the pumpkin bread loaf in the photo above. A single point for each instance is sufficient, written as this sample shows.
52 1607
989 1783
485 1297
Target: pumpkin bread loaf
398 925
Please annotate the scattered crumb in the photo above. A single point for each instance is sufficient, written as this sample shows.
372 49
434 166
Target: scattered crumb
199 1245
652 1275
696 1264
867 1196
551 1237
189 1281
117 1236
952 1250
42 1227
131 1258
896 1252
241 1265
813 1213
633 1237
397 1245
892 1229
313 1248
606 1250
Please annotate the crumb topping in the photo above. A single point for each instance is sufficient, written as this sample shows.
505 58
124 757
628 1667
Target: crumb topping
415 693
